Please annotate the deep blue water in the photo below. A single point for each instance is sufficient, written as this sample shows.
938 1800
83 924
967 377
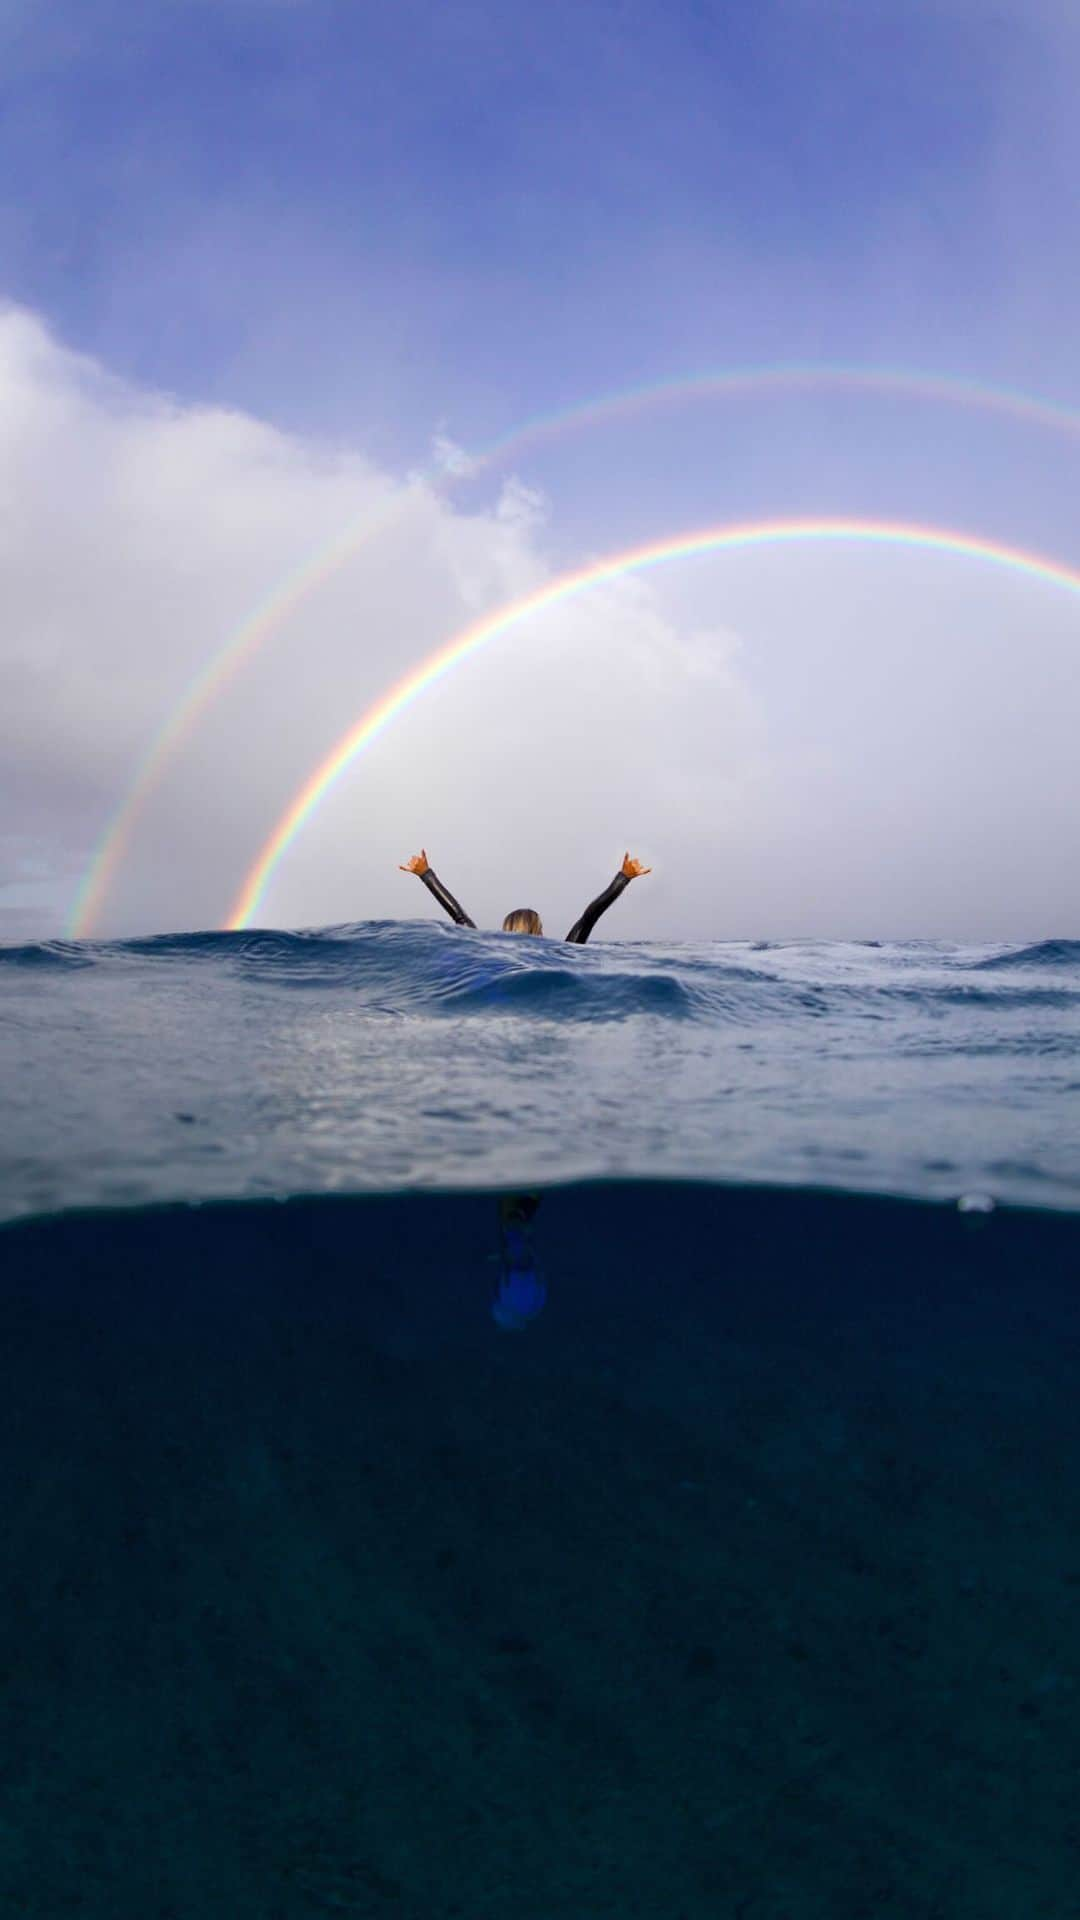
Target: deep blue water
381 1057
744 1580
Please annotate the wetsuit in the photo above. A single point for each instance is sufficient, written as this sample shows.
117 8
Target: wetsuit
445 899
578 933
582 928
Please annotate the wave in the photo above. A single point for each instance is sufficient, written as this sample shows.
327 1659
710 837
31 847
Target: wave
1044 953
49 953
413 967
400 968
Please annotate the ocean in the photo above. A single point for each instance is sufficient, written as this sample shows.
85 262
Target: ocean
737 1574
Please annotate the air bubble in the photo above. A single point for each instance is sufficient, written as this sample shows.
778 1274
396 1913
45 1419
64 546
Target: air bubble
976 1203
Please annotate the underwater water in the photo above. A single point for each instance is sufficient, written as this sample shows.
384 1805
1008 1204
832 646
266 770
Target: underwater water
744 1579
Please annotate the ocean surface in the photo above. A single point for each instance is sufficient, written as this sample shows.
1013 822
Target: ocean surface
386 1056
742 1579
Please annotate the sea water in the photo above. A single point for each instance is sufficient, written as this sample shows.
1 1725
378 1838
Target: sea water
744 1580
385 1057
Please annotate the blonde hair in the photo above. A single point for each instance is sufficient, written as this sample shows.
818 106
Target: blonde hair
523 920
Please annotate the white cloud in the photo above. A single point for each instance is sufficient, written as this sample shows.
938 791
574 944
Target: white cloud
521 506
800 742
450 458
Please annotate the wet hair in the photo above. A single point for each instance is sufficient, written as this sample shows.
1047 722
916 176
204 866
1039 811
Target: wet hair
523 920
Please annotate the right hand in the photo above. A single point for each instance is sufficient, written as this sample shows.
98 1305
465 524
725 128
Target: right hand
418 864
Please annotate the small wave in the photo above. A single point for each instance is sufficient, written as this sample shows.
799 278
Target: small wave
1010 999
565 993
49 953
1044 953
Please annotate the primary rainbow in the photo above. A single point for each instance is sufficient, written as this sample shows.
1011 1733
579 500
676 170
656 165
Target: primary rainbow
240 648
566 587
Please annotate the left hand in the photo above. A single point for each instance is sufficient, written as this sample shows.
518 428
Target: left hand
633 869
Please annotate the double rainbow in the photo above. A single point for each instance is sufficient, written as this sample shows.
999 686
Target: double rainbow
241 648
567 587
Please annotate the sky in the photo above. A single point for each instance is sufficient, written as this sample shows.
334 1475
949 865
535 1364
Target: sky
274 272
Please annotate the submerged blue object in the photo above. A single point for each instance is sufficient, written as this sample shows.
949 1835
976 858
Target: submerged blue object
521 1292
520 1298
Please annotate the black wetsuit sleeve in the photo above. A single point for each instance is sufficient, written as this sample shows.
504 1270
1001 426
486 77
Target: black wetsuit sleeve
582 928
445 899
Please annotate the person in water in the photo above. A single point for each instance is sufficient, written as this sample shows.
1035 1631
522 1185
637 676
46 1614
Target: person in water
526 919
520 1292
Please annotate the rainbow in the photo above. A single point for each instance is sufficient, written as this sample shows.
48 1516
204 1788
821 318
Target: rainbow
791 376
683 546
241 648
212 679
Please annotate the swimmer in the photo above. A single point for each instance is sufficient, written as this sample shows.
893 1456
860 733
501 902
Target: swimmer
520 1290
526 919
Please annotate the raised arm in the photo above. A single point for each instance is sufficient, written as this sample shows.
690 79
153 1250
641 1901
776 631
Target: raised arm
582 928
419 865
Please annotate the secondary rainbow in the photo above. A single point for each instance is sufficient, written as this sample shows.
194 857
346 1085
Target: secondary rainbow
791 376
241 648
219 672
683 546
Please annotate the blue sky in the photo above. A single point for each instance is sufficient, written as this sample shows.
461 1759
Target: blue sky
476 209
359 226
